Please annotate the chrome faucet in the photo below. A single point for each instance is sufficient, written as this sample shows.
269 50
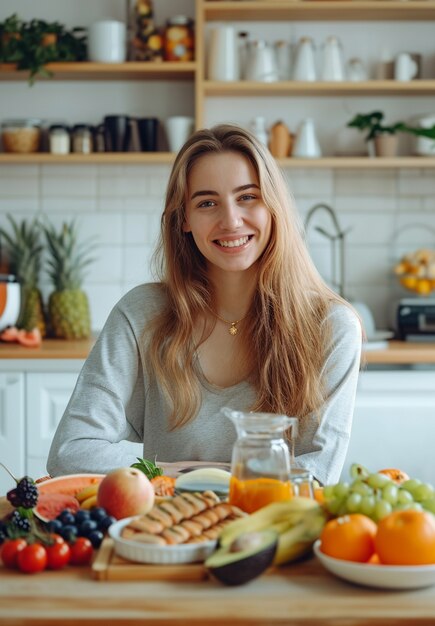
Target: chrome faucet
337 241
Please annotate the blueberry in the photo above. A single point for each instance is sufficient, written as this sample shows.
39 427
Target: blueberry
98 513
66 517
96 537
81 516
54 526
87 527
106 522
69 532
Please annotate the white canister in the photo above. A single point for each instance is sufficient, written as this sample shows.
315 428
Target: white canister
306 143
405 68
178 130
107 42
261 63
305 64
332 60
223 54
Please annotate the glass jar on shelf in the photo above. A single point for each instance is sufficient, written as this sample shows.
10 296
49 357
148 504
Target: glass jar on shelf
21 135
82 142
179 39
59 139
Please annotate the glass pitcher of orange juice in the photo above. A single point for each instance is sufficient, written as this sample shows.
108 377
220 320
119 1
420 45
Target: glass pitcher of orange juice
260 464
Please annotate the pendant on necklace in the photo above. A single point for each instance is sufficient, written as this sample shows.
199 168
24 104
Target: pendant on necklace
233 330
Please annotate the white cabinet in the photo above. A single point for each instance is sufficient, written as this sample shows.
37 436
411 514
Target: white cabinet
12 420
33 397
46 398
394 423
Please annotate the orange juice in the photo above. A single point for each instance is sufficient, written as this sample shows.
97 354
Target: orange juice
251 495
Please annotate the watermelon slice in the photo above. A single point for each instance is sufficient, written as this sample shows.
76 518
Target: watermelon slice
59 493
51 504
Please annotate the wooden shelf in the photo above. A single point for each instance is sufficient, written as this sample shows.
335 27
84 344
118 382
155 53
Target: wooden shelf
318 88
43 158
86 70
316 10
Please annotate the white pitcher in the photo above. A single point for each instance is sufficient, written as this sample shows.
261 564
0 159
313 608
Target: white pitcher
306 143
332 60
261 62
405 68
223 54
305 65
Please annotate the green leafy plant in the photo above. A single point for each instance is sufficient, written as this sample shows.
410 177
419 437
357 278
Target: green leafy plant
372 123
33 44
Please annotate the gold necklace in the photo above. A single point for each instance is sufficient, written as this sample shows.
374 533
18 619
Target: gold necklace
232 326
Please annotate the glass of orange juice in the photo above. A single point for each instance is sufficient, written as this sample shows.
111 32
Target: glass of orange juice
260 464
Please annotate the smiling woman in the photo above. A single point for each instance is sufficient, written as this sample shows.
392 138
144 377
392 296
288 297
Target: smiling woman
240 318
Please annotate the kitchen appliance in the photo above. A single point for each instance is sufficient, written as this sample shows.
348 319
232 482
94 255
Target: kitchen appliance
415 319
10 300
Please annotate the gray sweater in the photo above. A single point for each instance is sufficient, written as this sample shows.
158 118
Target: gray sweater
115 414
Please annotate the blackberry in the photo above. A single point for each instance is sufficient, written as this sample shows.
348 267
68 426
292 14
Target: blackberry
3 532
27 492
13 498
22 523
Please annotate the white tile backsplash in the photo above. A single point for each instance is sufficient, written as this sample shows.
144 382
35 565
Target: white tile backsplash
388 213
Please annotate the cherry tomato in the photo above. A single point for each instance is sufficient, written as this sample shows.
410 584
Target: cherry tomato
55 538
10 551
32 558
81 551
58 555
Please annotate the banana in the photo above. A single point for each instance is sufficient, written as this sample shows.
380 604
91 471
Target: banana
87 492
297 541
282 515
89 502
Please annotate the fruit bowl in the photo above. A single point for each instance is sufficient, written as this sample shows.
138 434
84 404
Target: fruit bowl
151 553
380 576
416 271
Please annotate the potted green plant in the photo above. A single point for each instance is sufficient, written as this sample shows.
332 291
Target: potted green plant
37 43
385 138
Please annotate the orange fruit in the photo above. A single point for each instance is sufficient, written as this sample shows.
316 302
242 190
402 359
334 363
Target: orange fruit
396 475
374 559
406 538
350 537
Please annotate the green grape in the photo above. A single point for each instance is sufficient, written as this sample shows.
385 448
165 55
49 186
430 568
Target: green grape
362 488
328 492
377 481
382 509
334 506
404 497
358 471
410 506
429 505
341 490
368 505
353 502
390 493
411 485
424 491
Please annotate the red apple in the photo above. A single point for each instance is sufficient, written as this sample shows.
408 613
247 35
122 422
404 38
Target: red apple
125 492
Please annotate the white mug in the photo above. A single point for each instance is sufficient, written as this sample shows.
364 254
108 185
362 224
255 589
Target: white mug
178 130
405 68
107 42
306 144
223 57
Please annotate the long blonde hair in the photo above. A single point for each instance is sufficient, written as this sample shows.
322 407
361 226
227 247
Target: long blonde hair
286 344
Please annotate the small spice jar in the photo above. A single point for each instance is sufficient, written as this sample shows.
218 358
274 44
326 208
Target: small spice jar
59 140
179 39
82 139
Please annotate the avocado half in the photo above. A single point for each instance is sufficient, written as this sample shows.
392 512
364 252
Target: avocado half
248 556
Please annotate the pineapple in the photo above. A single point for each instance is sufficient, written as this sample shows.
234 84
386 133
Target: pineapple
68 305
24 251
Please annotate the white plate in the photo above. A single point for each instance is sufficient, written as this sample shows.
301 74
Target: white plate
381 576
150 553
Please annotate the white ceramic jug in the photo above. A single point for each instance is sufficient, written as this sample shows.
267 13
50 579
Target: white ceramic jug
223 58
261 62
405 68
332 60
305 65
306 143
